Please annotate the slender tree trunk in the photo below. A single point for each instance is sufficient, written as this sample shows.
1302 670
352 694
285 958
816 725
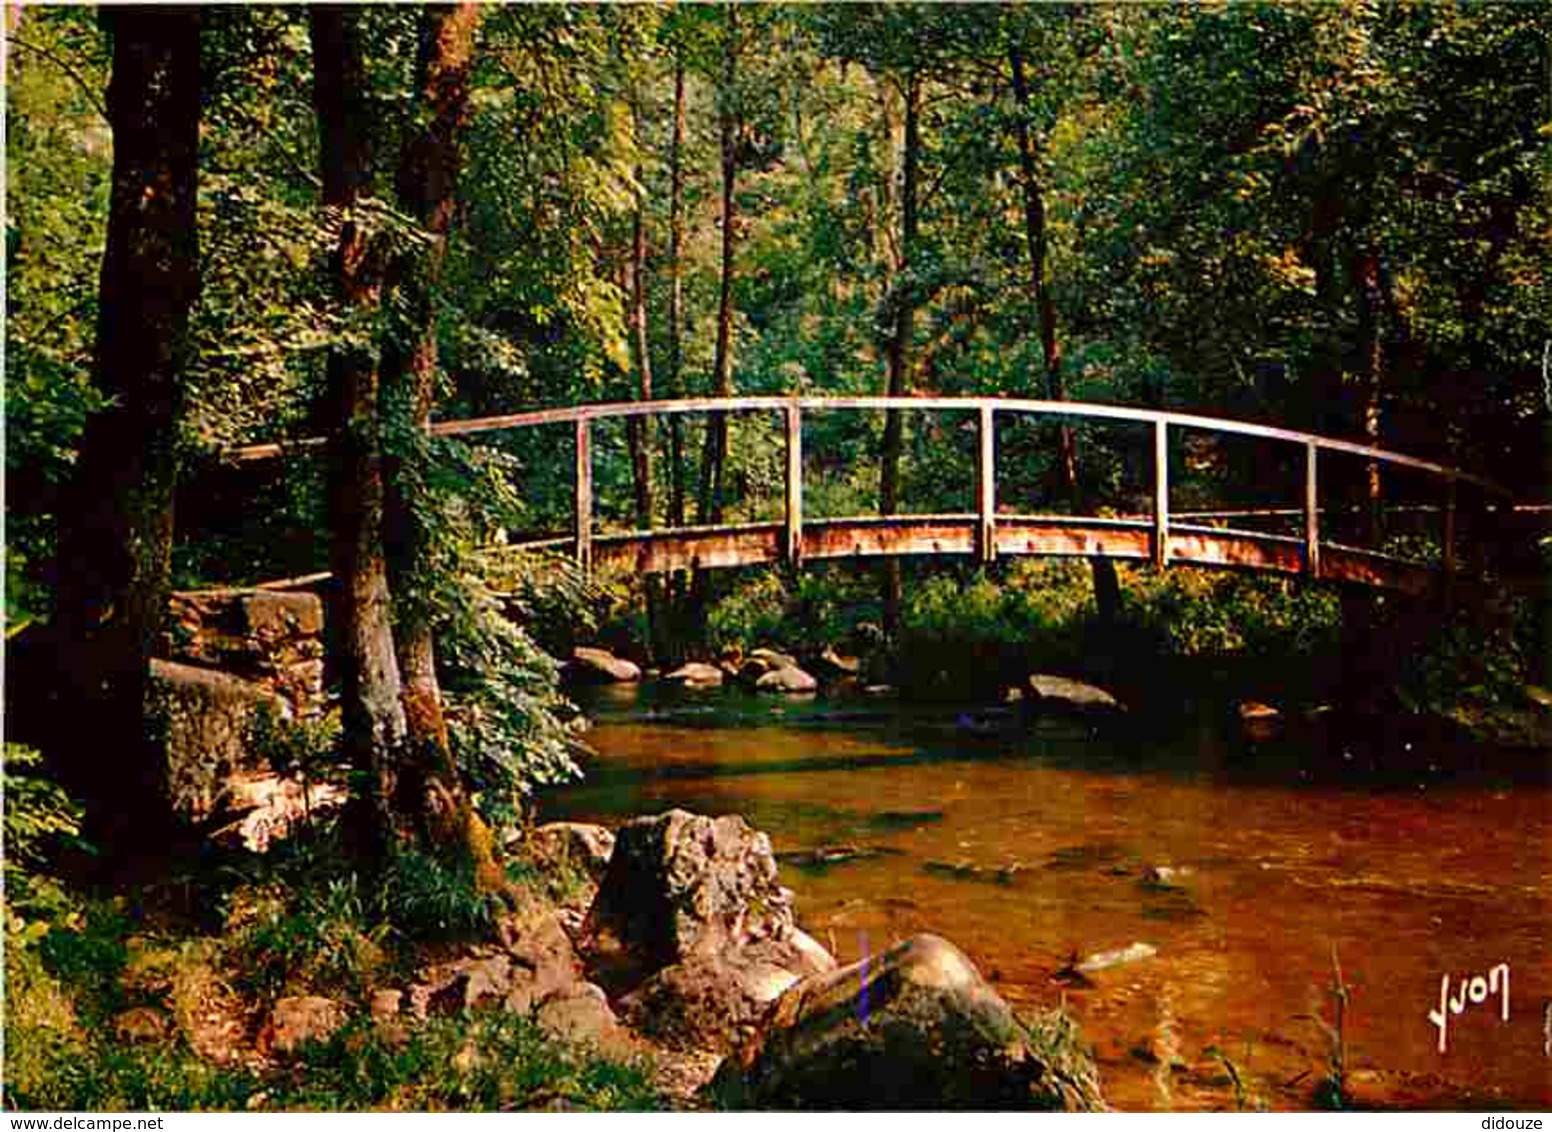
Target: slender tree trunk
676 610
1040 268
898 349
1107 587
373 714
115 529
1325 380
676 297
714 465
638 430
1371 344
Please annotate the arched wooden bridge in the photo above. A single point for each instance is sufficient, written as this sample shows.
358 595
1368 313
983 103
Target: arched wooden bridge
988 533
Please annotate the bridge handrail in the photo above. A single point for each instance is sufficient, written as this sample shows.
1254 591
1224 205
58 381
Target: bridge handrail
1167 534
605 410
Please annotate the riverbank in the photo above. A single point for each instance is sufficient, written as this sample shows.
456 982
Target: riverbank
287 981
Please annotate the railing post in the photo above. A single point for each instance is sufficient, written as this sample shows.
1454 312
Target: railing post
794 545
1311 509
1160 494
582 495
986 482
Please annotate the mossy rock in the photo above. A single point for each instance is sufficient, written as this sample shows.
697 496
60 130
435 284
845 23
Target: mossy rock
915 1028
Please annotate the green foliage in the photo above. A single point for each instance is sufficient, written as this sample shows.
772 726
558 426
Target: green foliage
754 614
317 938
429 897
310 921
40 819
487 1061
959 637
556 603
62 1053
1204 613
507 718
59 157
303 747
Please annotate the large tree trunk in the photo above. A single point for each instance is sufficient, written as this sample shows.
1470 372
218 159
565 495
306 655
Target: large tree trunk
1107 588
115 529
373 714
431 795
709 507
714 464
898 348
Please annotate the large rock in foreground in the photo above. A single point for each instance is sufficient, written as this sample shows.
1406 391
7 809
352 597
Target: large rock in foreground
691 927
679 883
916 1028
713 999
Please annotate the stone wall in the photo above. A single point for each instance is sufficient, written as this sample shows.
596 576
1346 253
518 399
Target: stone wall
232 655
269 638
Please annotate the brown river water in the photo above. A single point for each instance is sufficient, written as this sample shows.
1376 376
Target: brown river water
1241 868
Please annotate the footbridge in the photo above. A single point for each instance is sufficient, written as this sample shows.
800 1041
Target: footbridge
1462 506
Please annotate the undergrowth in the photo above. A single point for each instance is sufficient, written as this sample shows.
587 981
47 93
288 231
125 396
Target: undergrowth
154 999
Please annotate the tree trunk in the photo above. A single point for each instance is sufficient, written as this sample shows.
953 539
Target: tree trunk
638 429
714 465
431 797
373 714
898 349
676 297
1371 360
115 529
1107 587
676 611
1324 387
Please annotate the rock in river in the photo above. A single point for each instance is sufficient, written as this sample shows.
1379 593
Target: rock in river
1104 959
597 666
787 680
914 1028
695 675
692 928
1062 694
679 882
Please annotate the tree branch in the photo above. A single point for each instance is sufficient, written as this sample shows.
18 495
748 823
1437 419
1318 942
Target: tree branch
87 89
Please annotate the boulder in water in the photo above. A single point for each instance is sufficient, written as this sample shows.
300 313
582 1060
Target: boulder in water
914 1028
695 675
1061 694
789 681
681 882
597 666
692 929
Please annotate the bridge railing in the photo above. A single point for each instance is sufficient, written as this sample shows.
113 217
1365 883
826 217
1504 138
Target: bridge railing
1161 536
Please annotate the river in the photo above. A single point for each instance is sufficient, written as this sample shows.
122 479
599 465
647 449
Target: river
1250 873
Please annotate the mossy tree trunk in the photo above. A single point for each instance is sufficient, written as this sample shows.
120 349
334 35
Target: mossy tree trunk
375 728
